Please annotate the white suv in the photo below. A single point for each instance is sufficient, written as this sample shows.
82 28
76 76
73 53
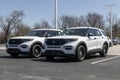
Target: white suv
78 42
31 43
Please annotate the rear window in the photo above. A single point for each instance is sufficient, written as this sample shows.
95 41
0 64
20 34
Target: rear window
104 33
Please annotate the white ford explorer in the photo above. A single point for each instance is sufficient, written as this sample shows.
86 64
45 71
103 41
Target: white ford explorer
78 42
31 43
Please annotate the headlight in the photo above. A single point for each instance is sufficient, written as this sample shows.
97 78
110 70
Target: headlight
25 40
71 40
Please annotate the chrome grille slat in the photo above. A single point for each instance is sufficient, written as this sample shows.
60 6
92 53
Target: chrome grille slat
55 42
15 41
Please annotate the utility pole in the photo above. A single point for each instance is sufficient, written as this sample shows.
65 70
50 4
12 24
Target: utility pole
56 14
110 18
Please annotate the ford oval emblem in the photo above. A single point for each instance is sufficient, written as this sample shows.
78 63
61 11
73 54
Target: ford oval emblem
53 42
13 41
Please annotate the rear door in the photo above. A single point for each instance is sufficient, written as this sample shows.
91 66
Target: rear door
99 38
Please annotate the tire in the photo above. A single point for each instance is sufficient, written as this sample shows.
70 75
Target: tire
15 55
49 57
81 53
36 50
104 51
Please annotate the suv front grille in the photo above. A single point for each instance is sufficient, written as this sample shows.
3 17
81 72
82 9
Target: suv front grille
15 41
55 42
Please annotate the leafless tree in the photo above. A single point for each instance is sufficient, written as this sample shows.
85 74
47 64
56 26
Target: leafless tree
115 22
37 26
95 20
68 21
82 21
1 38
21 30
42 25
10 22
116 28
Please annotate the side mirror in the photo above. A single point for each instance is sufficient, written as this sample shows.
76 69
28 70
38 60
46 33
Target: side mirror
47 35
90 34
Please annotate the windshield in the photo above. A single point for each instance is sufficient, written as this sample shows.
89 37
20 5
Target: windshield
79 32
39 33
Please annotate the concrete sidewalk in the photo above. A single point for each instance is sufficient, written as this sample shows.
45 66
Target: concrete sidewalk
115 50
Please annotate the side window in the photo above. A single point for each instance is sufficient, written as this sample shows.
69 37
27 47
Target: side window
54 33
103 33
91 31
57 33
97 33
50 33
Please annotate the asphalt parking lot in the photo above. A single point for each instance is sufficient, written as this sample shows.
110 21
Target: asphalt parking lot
93 68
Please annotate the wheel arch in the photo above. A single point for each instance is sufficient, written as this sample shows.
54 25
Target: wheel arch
106 43
81 43
37 42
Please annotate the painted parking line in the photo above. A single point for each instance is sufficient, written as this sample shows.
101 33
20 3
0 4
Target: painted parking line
105 60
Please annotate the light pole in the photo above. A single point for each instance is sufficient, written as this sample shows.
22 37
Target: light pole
55 14
110 14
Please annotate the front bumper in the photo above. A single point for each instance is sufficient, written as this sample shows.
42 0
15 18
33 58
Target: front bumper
59 50
56 53
14 48
16 51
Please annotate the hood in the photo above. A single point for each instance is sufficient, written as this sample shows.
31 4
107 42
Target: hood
25 37
64 37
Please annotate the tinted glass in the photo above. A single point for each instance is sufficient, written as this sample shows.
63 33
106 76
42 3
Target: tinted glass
80 32
97 33
91 31
40 33
57 33
51 33
103 33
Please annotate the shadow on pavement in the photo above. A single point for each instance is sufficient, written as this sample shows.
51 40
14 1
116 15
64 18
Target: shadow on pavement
64 59
55 60
19 57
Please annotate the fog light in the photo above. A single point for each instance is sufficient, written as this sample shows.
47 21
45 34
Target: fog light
68 47
24 46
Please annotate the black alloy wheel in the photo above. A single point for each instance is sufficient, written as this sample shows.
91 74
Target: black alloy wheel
104 51
36 51
81 53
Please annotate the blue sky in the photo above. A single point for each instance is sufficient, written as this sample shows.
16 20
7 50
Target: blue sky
37 10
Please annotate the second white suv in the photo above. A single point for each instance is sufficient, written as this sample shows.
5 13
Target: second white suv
30 43
78 42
